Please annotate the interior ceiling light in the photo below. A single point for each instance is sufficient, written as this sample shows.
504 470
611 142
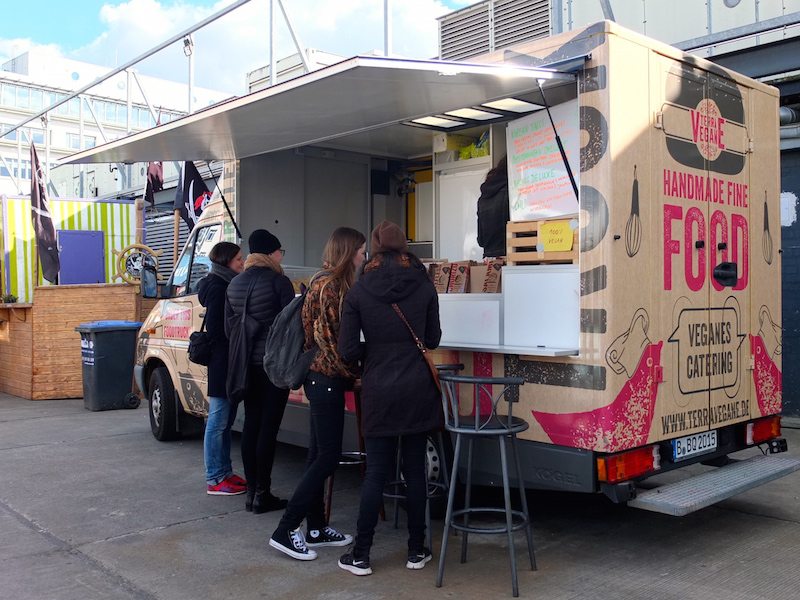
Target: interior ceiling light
437 122
512 105
473 113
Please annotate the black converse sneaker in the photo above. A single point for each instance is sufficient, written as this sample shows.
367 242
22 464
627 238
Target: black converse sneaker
348 562
417 559
292 543
327 536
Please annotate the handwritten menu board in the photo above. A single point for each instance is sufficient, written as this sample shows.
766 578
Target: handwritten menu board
538 182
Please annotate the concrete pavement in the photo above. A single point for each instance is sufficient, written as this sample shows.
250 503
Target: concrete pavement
92 507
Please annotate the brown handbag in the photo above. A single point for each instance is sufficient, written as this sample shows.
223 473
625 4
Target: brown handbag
428 358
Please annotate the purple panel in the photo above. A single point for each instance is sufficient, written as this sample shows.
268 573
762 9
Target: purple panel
82 257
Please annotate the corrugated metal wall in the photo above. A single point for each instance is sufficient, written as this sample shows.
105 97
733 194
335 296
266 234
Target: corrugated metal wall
492 25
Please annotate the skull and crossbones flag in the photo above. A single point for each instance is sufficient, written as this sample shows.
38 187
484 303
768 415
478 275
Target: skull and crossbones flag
46 242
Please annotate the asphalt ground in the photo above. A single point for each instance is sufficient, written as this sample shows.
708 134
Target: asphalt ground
93 507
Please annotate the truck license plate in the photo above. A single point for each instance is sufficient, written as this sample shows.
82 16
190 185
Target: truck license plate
698 443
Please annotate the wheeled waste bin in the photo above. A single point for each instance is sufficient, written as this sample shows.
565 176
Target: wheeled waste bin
108 351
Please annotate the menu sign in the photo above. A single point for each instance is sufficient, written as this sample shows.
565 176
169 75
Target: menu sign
538 182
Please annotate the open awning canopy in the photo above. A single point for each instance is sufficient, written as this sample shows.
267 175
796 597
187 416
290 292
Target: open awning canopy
380 106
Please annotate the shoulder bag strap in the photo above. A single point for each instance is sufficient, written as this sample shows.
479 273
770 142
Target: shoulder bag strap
417 341
247 297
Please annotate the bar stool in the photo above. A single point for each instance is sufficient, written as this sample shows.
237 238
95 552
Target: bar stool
503 428
395 490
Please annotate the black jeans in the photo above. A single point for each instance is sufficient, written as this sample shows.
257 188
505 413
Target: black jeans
326 407
264 405
381 454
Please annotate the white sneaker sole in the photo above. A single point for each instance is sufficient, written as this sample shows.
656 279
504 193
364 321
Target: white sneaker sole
415 566
212 493
311 555
355 570
348 539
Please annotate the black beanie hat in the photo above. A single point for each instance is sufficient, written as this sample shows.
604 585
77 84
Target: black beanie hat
262 241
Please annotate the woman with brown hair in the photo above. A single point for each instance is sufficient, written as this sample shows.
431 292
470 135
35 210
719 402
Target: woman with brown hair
328 379
398 394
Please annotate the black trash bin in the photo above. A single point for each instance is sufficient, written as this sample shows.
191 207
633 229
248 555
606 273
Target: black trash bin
108 351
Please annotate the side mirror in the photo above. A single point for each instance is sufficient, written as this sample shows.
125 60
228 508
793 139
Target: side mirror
726 274
149 282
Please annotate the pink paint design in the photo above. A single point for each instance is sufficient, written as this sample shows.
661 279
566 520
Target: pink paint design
623 424
482 367
767 377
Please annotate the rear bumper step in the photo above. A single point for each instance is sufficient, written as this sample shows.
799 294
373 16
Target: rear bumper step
684 497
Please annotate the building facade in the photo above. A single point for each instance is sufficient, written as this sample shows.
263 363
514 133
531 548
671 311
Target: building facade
117 107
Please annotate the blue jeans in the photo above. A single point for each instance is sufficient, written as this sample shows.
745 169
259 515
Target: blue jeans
217 439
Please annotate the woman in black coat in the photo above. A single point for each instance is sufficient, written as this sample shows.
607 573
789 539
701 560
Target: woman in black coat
226 263
266 290
493 211
398 394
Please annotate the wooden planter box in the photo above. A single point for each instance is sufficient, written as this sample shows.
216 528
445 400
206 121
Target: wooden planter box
40 352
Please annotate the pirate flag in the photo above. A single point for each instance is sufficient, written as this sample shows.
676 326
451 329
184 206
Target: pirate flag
46 242
191 195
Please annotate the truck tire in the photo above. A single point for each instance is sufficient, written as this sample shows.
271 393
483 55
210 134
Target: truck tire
163 415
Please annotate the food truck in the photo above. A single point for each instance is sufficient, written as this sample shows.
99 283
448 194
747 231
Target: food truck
640 296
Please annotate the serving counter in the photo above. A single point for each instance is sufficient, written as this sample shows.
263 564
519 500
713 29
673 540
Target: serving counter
536 314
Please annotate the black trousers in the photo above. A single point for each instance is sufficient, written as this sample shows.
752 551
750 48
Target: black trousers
381 454
264 405
326 407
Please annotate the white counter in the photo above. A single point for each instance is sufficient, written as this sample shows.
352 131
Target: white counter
537 314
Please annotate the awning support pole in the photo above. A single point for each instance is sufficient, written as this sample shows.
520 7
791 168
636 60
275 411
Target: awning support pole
225 202
560 145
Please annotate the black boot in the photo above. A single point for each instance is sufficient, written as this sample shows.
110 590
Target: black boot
264 501
248 500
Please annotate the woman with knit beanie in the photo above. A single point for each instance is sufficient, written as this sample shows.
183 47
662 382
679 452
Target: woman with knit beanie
265 290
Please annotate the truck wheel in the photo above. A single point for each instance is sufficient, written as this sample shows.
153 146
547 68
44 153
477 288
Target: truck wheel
163 418
132 401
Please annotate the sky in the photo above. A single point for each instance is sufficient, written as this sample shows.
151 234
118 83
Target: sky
112 32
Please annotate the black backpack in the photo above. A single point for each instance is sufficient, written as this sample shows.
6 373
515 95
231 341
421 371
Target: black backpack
285 361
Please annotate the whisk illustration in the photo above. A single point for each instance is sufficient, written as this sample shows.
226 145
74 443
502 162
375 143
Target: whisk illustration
766 240
633 228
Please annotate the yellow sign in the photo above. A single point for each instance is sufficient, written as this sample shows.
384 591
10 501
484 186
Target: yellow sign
556 236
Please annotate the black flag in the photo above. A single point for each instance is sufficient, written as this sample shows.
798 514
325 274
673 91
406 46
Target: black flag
43 223
191 195
155 181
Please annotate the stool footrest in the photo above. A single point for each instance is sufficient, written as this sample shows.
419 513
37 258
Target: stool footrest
521 520
395 490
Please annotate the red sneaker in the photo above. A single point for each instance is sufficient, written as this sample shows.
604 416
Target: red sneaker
226 487
234 478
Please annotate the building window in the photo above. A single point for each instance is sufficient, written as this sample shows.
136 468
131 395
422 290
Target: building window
74 141
34 135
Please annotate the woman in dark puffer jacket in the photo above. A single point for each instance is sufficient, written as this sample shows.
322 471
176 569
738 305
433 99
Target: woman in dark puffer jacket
263 402
398 394
226 263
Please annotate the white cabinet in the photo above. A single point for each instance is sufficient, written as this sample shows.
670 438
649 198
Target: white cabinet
470 320
541 306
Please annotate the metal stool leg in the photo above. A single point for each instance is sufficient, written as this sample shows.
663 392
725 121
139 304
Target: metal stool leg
509 524
428 535
328 498
398 458
448 516
467 500
524 500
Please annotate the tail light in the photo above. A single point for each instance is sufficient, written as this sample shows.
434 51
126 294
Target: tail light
614 468
763 430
